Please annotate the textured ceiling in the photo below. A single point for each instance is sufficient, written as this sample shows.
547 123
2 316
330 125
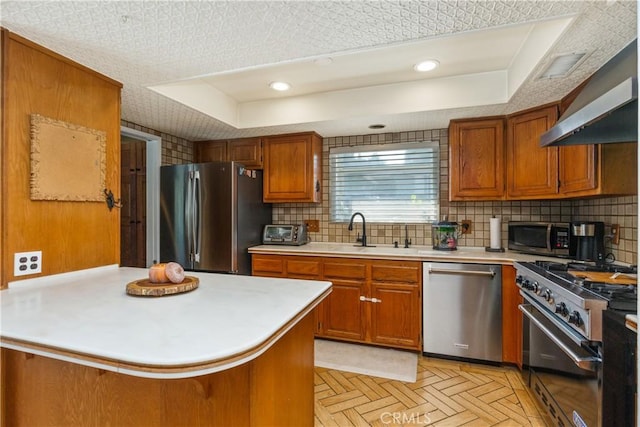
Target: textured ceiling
142 43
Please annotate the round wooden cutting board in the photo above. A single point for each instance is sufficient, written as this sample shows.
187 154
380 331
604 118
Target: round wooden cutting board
145 288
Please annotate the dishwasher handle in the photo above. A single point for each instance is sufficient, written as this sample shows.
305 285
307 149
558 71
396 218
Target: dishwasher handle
589 363
490 273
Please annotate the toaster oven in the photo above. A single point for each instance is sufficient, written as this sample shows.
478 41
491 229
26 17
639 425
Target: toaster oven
293 234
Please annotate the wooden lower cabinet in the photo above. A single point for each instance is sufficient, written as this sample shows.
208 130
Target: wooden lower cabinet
344 314
396 319
292 267
511 318
274 389
372 301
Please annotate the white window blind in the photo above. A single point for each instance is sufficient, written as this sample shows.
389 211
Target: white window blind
386 183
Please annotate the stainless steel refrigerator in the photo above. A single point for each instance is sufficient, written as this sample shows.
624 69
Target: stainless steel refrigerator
210 214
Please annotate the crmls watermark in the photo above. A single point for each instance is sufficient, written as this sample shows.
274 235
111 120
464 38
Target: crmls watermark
404 418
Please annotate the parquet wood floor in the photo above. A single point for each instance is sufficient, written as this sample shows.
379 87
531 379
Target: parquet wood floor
446 393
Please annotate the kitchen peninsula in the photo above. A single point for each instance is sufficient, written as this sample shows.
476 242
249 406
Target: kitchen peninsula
237 350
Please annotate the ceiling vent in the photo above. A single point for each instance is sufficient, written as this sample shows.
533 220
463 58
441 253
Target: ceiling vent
562 65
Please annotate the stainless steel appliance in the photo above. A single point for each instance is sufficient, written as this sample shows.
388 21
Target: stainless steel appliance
587 241
606 109
462 313
578 240
562 336
211 213
294 235
541 238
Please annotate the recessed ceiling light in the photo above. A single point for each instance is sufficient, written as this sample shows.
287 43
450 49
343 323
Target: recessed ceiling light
377 126
562 65
427 65
280 86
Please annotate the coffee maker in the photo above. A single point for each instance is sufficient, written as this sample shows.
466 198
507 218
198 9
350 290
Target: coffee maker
586 242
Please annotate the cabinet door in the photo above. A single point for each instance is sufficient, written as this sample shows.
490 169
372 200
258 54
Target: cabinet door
511 318
476 159
247 151
577 168
395 315
343 310
292 168
532 171
211 151
396 303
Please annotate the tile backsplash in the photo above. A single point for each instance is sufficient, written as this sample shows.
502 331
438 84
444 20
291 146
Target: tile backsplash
611 210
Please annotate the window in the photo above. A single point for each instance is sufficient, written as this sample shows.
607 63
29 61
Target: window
387 183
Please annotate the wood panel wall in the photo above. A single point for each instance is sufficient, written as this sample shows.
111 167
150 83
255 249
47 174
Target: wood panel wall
71 235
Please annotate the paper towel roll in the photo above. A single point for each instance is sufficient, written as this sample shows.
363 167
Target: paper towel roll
495 231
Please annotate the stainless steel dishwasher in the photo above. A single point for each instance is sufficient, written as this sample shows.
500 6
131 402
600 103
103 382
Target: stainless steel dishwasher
462 310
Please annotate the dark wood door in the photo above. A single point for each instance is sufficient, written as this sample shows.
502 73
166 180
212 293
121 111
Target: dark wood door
133 215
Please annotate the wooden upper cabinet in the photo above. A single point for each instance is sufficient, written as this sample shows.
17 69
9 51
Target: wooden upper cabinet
476 159
292 168
532 171
577 168
598 170
211 151
246 151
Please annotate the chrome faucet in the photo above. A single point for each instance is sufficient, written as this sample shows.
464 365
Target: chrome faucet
364 227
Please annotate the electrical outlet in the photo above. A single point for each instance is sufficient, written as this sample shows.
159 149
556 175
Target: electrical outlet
313 225
25 263
615 234
465 226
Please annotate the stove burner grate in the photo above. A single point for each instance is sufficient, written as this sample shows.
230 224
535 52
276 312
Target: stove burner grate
612 290
585 266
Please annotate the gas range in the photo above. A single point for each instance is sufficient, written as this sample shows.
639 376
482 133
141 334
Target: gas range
566 336
573 300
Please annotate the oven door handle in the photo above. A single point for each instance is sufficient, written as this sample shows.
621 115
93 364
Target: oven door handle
590 363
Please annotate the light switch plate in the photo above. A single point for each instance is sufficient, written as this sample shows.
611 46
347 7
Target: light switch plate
26 263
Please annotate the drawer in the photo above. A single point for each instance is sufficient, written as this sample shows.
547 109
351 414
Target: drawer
303 267
345 270
268 264
405 273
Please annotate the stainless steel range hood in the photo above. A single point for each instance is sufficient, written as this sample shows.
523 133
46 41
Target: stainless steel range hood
606 110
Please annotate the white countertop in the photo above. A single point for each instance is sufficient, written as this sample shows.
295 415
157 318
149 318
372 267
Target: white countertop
227 319
413 253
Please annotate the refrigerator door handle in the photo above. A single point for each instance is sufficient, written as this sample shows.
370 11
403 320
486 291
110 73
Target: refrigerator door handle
188 215
197 194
